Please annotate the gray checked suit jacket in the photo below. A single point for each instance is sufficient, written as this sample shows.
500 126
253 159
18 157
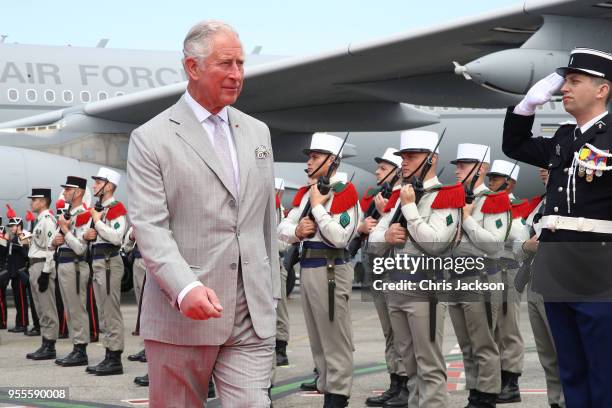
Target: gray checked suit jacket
190 226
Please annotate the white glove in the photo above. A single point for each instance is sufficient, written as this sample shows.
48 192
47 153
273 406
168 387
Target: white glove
539 94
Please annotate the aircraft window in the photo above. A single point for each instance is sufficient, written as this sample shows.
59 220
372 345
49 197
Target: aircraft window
13 95
85 96
49 95
67 96
119 93
102 95
31 95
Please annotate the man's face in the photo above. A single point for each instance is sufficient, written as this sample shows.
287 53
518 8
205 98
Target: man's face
384 172
543 173
464 168
14 229
69 193
219 77
581 93
101 187
411 162
314 161
37 204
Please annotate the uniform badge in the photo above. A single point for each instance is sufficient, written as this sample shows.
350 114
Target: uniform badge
262 152
596 163
345 219
116 226
449 219
498 223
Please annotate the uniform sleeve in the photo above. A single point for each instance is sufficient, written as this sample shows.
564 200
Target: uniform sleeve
491 236
519 233
377 244
519 144
332 230
47 234
114 232
75 241
286 228
435 234
282 245
128 244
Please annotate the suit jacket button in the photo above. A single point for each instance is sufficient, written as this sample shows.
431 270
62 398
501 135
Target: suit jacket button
233 265
232 203
565 170
560 189
556 209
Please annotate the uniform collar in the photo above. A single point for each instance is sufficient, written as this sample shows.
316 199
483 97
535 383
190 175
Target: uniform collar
334 179
431 182
74 210
200 112
43 214
585 128
481 188
108 202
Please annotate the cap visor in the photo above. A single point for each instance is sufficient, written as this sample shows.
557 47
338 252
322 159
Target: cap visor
464 161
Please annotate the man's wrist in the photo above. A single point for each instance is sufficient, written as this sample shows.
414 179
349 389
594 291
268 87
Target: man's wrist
183 293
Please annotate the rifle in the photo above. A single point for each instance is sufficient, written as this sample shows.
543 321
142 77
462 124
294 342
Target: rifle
469 192
507 179
292 255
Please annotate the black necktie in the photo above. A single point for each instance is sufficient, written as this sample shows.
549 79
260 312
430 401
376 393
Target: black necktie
577 133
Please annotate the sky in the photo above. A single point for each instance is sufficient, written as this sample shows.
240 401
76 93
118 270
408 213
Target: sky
280 27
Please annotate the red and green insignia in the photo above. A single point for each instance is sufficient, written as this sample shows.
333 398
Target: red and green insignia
368 197
395 194
83 218
496 203
345 197
297 200
520 208
449 196
115 210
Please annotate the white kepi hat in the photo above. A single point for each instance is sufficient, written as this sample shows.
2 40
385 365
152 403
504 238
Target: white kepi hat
504 168
279 183
109 175
472 153
418 141
390 157
325 143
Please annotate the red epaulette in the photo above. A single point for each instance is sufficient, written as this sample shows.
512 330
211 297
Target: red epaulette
345 198
496 203
115 211
520 209
83 218
534 202
452 196
367 198
278 202
395 194
297 200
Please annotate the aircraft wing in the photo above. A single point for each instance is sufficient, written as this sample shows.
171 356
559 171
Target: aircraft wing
370 86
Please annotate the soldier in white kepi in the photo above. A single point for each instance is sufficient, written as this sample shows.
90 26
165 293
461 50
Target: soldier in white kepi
326 274
503 176
42 273
108 226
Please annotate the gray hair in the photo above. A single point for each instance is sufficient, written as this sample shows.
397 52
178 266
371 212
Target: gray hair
198 42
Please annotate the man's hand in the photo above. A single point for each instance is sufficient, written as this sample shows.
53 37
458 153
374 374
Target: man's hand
407 195
396 234
539 94
531 245
64 224
90 235
201 303
367 226
380 202
316 197
468 209
95 215
58 240
306 228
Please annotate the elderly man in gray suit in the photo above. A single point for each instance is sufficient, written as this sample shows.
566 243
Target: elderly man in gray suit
201 199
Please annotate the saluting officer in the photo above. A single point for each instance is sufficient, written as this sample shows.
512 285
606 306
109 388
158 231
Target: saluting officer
486 222
571 264
72 268
503 176
108 226
326 274
42 273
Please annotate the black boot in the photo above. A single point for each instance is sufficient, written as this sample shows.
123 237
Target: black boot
482 400
142 381
281 353
211 389
312 385
140 356
326 400
510 389
379 400
32 333
18 329
401 399
93 368
77 357
113 364
338 401
45 352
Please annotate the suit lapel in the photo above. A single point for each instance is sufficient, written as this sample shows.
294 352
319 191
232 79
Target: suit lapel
241 142
192 133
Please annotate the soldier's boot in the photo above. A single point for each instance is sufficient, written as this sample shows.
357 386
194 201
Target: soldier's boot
401 399
93 368
510 389
338 401
480 399
77 357
312 385
113 365
143 381
32 333
140 356
211 389
45 352
281 353
555 406
394 390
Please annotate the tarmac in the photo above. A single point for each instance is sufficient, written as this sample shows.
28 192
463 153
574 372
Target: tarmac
84 390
